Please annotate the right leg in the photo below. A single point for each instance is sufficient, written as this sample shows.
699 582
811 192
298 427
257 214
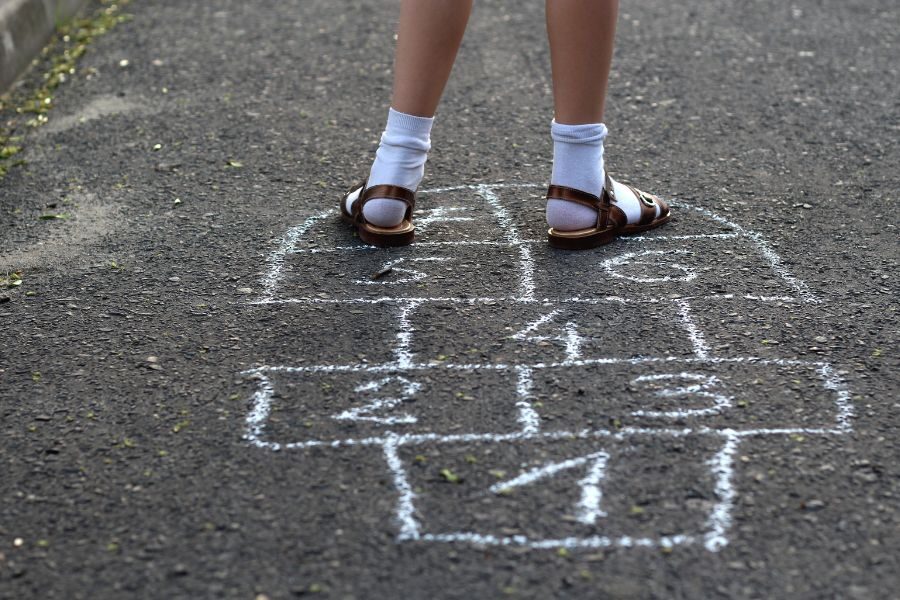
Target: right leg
582 35
429 36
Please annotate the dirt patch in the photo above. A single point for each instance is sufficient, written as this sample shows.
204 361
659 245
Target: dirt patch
89 221
99 107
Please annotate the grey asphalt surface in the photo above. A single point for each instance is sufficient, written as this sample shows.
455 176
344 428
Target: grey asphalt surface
155 322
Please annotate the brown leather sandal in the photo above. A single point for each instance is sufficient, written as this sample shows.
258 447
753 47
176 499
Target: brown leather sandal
610 219
401 235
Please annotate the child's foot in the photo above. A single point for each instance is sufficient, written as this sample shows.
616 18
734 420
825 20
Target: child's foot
400 161
642 211
353 208
578 164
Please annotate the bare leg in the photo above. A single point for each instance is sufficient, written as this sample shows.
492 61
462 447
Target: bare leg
581 34
429 36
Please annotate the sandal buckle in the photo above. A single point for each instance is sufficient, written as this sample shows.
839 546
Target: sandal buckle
649 201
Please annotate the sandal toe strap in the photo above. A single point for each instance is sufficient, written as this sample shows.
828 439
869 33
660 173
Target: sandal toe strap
648 203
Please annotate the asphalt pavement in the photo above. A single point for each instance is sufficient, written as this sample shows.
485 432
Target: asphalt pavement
210 388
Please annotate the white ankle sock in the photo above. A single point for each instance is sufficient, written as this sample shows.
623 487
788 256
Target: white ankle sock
578 163
400 160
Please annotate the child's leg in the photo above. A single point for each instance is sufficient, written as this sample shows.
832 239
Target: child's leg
581 34
429 36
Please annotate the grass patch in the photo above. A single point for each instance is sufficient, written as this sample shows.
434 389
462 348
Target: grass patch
27 106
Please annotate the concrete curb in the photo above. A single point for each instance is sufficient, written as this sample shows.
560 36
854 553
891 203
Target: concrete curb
25 26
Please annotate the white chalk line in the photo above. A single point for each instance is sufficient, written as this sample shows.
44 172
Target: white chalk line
590 506
719 522
528 418
526 262
288 243
571 543
774 260
417 439
695 335
261 406
507 244
583 362
639 299
402 352
409 527
573 343
844 402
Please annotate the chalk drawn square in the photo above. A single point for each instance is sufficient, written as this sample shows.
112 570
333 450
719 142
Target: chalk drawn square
666 268
411 272
289 333
701 394
742 327
455 217
544 332
587 492
313 407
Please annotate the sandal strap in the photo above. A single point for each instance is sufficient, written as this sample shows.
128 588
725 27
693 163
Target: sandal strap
607 213
393 192
648 205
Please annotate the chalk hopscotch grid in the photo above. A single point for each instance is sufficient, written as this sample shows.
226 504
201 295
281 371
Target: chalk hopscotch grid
721 465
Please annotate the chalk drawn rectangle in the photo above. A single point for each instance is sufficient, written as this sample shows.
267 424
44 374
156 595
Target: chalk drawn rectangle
455 217
411 272
601 492
293 333
715 394
449 216
321 407
548 332
667 268
743 327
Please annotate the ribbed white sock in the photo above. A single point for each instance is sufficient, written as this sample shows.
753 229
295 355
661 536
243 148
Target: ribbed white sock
578 163
400 160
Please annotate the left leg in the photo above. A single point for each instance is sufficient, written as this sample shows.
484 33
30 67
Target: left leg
429 35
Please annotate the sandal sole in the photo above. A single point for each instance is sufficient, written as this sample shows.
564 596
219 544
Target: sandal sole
581 242
632 229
